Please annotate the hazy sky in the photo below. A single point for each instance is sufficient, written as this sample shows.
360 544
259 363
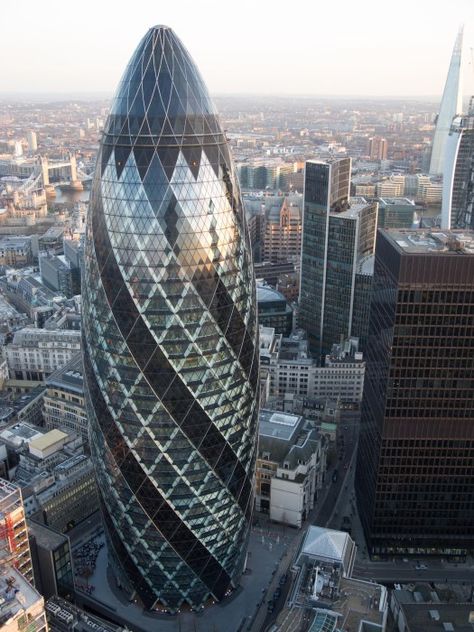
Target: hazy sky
319 47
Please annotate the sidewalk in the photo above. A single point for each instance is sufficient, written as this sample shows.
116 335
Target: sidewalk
294 543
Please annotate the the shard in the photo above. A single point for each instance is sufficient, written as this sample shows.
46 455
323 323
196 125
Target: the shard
451 104
170 337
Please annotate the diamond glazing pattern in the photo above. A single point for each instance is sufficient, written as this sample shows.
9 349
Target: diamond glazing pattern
170 336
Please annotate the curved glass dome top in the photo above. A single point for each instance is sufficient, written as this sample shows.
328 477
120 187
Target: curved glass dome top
162 102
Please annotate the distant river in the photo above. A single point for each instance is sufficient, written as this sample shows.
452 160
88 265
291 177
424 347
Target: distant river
70 197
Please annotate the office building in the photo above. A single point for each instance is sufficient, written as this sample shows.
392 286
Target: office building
423 607
57 479
430 193
293 371
16 251
324 595
52 241
458 181
415 474
273 310
10 320
29 295
64 406
396 212
63 616
69 497
365 190
451 104
413 184
74 257
363 282
378 148
35 353
271 272
13 530
32 140
291 464
56 274
337 234
391 187
170 337
282 240
52 561
21 607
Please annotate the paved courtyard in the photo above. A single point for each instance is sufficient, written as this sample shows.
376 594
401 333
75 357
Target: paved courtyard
266 549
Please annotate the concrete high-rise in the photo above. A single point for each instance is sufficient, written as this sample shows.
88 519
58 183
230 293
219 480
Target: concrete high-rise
378 148
32 141
337 235
458 181
170 337
415 471
451 104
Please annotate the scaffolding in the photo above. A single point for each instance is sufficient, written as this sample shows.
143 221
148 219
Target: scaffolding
14 545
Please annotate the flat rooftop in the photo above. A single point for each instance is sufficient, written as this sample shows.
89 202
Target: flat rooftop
359 601
17 593
439 617
7 489
423 241
48 440
357 205
399 201
278 425
20 433
7 310
46 538
70 376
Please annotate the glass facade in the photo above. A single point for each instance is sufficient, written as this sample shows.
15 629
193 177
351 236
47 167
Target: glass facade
335 237
458 180
170 336
415 467
451 104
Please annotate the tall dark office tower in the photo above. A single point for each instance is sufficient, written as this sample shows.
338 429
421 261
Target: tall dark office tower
415 466
458 182
337 235
170 339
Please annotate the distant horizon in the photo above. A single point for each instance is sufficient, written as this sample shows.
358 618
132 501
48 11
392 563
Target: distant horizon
106 95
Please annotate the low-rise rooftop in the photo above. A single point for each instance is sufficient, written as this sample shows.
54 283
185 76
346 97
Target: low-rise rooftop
69 377
48 440
17 595
278 425
20 434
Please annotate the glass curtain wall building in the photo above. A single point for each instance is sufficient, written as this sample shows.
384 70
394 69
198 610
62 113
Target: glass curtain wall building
337 234
170 336
458 182
451 104
415 465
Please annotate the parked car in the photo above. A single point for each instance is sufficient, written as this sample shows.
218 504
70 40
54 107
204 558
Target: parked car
283 579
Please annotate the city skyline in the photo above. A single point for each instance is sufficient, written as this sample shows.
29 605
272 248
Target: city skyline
283 53
236 383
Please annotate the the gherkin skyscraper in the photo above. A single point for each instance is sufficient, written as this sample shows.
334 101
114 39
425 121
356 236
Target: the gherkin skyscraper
170 336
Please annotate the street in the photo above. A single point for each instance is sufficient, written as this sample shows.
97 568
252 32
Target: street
323 512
